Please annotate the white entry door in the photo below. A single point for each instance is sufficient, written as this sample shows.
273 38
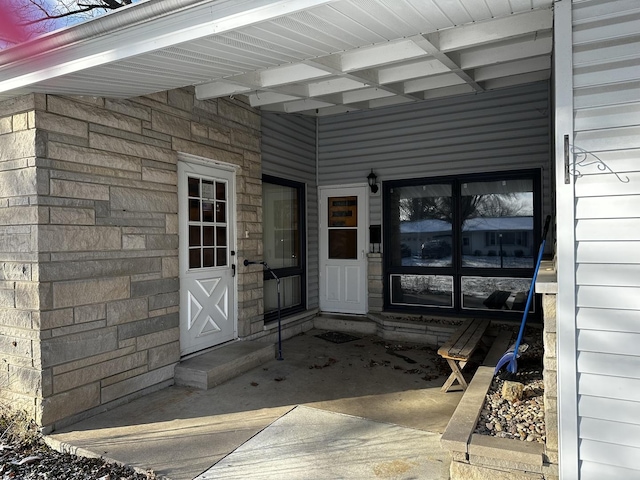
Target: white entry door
343 260
207 256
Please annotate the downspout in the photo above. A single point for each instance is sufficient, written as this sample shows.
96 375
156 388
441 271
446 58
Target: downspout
317 156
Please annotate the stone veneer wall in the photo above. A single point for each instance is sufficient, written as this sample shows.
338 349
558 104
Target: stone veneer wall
99 291
374 282
550 377
20 378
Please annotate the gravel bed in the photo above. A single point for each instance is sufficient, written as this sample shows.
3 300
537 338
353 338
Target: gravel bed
522 420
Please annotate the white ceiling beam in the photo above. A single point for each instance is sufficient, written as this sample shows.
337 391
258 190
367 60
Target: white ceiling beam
531 46
492 30
364 95
433 50
368 76
290 74
335 110
387 101
266 80
219 89
512 68
517 79
430 83
334 85
305 104
392 52
421 68
449 91
259 99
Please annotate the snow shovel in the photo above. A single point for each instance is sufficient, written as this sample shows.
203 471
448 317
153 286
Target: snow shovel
512 354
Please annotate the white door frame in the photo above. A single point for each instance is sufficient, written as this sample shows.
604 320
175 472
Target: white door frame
360 190
565 249
203 166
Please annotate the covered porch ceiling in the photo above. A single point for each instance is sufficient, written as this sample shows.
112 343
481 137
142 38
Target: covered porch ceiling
313 57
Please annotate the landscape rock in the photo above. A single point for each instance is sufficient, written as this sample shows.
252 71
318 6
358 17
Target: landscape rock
512 391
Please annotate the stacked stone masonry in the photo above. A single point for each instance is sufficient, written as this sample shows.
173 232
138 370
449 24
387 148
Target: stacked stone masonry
89 279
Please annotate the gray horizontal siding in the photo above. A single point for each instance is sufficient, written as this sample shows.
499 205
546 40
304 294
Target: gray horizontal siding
500 130
289 152
606 38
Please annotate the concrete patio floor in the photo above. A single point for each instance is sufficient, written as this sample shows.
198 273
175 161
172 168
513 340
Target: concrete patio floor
328 410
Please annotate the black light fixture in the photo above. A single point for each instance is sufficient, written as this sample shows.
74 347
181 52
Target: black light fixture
371 178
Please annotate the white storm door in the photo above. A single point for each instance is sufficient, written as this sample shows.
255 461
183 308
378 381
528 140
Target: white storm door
343 260
207 256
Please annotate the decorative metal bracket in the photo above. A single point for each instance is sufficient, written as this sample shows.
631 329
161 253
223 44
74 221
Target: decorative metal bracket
583 159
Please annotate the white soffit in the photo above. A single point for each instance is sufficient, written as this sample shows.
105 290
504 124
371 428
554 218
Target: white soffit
316 57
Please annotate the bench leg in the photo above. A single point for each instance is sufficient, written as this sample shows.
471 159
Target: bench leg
456 374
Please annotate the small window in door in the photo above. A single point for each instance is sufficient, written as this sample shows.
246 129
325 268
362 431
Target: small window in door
208 232
343 228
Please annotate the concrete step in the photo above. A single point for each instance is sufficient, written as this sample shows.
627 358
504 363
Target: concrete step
228 361
345 323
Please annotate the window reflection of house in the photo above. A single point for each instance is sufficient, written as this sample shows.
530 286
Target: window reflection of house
482 236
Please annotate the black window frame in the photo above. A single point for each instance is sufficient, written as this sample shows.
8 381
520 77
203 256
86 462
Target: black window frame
300 270
456 270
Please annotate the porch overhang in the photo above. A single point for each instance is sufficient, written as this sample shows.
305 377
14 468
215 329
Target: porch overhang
315 57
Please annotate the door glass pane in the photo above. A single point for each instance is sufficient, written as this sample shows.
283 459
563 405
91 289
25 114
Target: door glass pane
194 258
221 212
194 187
194 210
207 236
221 236
281 229
207 212
497 227
194 236
207 257
343 211
221 257
290 294
422 290
420 221
343 244
491 293
221 191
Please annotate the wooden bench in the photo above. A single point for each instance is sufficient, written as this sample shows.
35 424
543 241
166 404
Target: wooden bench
458 349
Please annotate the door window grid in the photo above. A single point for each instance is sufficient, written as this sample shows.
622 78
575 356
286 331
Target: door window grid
208 214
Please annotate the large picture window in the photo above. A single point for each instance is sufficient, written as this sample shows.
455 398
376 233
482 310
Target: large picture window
461 244
283 242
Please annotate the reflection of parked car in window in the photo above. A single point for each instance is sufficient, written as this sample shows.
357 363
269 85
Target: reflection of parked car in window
405 251
435 249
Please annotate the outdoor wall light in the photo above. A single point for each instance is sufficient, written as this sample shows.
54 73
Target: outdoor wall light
371 178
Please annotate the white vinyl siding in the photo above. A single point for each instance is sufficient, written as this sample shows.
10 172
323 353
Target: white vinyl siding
606 66
289 152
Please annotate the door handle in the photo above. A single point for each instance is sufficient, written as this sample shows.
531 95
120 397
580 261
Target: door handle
233 268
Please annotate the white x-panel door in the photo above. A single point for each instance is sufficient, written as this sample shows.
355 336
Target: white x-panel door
207 257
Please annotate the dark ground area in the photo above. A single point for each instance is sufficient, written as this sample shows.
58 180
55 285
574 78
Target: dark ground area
24 456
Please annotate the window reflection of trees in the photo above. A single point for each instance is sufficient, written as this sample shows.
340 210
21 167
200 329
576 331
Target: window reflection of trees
471 206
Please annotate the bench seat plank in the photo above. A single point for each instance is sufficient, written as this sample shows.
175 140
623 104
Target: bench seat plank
465 340
459 347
